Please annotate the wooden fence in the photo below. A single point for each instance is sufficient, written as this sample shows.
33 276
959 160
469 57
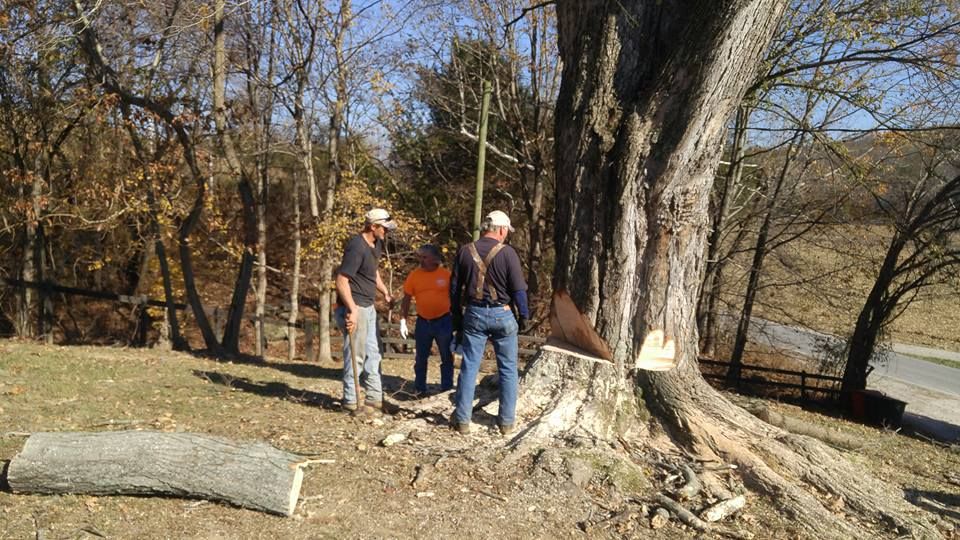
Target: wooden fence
802 378
395 347
47 289
275 322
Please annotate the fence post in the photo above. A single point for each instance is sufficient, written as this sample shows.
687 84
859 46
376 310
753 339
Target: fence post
803 385
143 326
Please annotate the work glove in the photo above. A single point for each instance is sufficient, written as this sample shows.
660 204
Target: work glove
523 325
403 329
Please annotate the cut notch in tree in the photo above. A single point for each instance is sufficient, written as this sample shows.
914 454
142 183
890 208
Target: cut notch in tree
569 326
251 475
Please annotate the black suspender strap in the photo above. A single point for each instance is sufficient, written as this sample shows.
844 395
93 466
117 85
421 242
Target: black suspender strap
483 266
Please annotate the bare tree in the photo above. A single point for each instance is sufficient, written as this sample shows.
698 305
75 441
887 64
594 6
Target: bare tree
922 251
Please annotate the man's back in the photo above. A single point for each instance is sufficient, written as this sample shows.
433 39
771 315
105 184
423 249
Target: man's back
504 273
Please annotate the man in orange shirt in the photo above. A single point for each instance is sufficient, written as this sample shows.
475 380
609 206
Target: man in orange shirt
429 287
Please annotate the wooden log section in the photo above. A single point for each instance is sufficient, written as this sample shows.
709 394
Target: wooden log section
252 475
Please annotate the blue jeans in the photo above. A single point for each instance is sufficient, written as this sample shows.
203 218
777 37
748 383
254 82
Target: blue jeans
426 332
368 354
499 326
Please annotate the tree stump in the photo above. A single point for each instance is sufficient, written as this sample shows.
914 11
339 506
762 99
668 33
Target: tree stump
252 475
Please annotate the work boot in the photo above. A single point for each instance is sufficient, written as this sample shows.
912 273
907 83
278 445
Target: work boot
507 429
462 428
369 409
348 408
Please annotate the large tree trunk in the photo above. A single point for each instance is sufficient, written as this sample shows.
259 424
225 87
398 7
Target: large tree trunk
252 475
647 90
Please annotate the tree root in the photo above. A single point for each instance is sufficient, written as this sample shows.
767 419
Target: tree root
791 469
813 484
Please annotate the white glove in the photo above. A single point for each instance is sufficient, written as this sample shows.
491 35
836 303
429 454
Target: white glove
403 329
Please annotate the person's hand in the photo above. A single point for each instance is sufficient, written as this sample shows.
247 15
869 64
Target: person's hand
456 346
403 328
523 325
389 299
351 321
457 321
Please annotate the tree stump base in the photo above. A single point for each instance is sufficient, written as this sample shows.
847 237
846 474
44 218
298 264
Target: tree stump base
567 395
251 475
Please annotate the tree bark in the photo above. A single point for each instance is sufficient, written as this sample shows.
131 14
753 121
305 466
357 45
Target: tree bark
875 311
231 333
251 475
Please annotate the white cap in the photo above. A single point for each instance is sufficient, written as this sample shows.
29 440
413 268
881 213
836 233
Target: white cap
499 219
379 216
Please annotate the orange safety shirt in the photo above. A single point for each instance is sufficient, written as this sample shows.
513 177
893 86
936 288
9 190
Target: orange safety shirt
430 290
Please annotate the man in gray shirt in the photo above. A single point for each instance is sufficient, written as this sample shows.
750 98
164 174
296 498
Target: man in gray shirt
357 282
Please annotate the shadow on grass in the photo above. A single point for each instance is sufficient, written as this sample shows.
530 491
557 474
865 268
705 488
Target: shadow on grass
281 390
938 502
271 389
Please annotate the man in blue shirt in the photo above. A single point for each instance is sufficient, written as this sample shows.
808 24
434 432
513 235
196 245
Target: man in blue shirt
487 279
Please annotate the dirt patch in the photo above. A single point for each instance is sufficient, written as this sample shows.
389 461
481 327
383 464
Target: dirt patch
433 484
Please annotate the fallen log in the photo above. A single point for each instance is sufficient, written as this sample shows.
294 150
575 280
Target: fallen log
793 425
252 475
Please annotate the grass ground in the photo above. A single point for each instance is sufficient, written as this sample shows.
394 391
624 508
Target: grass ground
820 281
368 491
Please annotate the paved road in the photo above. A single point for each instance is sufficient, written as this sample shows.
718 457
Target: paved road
899 364
932 391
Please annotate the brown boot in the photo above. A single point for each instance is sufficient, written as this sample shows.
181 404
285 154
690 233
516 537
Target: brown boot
369 409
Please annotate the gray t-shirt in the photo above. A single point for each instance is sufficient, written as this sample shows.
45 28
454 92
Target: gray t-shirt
359 265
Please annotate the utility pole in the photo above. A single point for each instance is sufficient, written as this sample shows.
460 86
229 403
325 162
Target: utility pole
481 158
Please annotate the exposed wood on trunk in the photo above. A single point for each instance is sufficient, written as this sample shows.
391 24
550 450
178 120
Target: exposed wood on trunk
251 475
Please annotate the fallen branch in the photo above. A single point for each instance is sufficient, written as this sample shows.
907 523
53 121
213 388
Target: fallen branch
692 485
491 495
682 513
723 509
